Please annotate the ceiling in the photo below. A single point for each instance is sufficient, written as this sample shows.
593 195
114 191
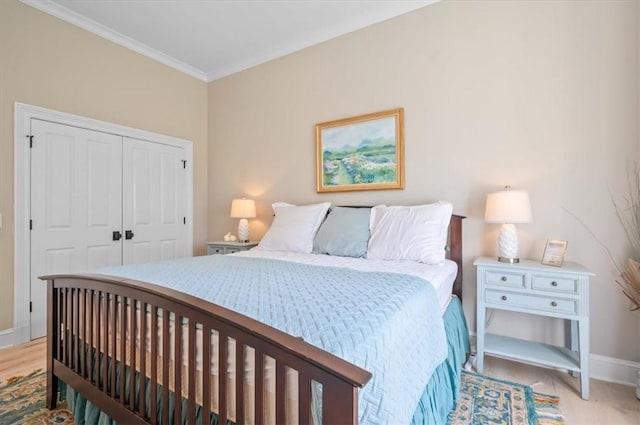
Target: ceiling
209 39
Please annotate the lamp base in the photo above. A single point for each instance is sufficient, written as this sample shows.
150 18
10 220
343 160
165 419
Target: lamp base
508 244
508 260
243 230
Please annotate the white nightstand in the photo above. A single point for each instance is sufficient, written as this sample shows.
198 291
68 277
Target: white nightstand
530 287
221 247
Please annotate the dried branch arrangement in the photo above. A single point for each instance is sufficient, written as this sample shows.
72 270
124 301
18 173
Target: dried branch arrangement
629 216
631 283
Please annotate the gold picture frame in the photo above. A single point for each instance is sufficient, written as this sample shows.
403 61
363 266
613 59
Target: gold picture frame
361 153
554 252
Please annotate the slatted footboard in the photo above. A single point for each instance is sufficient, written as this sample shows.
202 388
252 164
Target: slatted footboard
115 340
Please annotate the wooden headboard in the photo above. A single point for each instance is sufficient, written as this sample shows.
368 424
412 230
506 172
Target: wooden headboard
454 251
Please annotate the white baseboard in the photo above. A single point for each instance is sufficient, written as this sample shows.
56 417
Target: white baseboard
603 368
614 370
6 338
21 335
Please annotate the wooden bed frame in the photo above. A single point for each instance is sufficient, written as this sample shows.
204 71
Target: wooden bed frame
86 311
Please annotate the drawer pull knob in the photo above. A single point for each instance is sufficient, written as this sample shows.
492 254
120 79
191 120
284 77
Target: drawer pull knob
503 278
504 298
554 304
554 283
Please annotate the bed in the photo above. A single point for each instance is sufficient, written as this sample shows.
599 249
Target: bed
123 349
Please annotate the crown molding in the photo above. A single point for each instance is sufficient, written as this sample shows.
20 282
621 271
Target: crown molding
78 20
362 20
391 11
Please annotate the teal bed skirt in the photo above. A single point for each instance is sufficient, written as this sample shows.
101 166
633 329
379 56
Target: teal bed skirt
441 394
439 398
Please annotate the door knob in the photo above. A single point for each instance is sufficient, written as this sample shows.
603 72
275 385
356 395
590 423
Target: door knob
117 236
128 234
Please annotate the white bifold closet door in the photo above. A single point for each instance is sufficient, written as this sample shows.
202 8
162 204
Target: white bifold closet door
153 195
100 200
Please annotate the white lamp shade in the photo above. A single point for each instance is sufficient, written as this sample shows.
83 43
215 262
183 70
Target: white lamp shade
243 208
508 206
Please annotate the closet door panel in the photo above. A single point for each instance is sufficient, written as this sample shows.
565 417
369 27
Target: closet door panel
153 207
76 204
140 182
168 249
58 181
169 176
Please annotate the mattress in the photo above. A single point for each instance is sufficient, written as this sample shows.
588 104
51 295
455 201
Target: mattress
441 276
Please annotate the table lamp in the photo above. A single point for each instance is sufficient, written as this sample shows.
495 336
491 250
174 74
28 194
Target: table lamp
243 209
508 207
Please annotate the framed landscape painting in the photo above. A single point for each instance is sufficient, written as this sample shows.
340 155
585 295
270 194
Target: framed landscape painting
361 153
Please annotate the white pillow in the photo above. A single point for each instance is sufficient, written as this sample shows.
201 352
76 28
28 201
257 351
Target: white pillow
294 227
417 233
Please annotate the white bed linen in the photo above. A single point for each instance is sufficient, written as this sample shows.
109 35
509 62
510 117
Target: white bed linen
441 276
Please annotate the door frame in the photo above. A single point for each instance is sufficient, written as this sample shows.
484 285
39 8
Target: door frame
23 114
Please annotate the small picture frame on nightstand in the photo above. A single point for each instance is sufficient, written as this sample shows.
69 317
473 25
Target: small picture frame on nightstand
554 252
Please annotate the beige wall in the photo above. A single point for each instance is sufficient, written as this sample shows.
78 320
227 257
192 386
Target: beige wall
539 95
48 63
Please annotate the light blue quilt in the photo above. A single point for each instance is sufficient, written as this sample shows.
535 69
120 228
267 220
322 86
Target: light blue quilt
387 323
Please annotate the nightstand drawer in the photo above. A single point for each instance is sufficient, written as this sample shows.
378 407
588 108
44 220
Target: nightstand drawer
212 250
550 304
554 284
507 278
223 248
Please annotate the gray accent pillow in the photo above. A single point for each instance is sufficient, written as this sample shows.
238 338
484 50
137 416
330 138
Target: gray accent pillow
345 232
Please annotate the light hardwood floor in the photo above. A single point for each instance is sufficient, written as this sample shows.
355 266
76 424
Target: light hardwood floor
22 359
610 404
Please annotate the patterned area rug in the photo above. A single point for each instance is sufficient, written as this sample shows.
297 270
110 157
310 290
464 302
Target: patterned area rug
489 401
22 402
483 400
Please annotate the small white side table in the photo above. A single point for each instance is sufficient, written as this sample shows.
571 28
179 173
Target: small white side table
532 288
